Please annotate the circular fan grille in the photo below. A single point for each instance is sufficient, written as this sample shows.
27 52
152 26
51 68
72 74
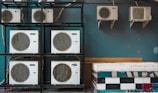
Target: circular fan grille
104 12
138 13
62 72
20 41
20 72
7 16
39 16
62 41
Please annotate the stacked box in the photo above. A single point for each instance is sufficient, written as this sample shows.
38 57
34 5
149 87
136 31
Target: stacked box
124 76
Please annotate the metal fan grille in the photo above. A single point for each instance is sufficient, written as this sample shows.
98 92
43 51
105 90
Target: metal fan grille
20 41
104 12
20 72
62 72
7 16
62 41
138 13
39 16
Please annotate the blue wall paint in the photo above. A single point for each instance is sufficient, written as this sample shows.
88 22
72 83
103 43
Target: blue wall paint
122 41
1 59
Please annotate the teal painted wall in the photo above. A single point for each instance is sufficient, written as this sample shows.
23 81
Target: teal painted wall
121 41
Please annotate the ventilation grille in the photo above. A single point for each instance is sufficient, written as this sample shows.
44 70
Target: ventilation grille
20 41
39 16
104 12
7 16
62 72
20 72
62 41
138 13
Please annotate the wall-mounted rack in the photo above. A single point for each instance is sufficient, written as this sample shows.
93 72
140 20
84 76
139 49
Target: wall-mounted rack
43 55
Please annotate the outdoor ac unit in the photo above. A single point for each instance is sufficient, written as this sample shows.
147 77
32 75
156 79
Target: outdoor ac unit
140 14
65 72
23 72
45 15
45 0
24 41
65 41
11 16
107 13
156 1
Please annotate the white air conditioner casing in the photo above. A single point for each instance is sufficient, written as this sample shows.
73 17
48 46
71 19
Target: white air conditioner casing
65 41
24 41
107 13
45 0
23 72
140 14
46 18
65 72
156 1
10 15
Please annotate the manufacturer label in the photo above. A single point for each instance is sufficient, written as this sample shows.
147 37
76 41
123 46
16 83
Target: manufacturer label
147 17
32 33
74 33
74 64
32 64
